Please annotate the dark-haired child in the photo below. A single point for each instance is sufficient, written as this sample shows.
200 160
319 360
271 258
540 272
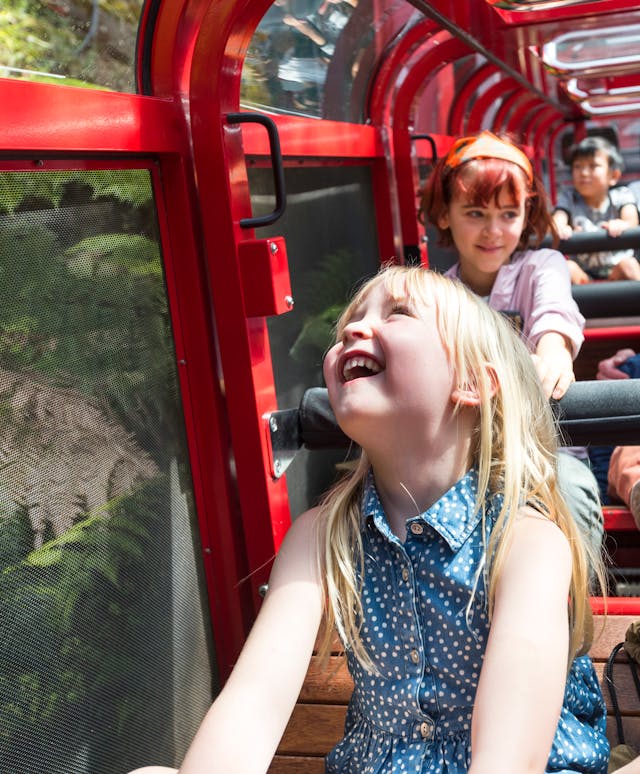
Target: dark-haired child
594 204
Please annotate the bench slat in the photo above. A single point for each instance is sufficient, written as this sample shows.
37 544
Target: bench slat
333 686
608 631
313 729
625 689
295 764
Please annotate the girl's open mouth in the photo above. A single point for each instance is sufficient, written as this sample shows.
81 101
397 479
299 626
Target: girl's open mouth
359 366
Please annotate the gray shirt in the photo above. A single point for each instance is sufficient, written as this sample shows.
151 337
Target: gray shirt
585 218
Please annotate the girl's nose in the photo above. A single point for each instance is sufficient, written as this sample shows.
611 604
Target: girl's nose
358 329
491 226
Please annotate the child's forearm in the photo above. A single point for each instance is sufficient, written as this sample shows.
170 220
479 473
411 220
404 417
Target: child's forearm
561 219
554 364
220 746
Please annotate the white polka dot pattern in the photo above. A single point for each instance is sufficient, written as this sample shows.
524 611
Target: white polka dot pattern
427 644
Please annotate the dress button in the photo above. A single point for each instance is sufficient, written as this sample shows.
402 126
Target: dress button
417 529
426 730
405 574
414 656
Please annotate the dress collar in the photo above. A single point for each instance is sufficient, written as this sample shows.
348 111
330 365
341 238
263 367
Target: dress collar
454 516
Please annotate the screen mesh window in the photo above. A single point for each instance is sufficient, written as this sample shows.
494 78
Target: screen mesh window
105 663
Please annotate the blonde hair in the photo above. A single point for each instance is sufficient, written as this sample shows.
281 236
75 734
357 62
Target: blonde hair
513 448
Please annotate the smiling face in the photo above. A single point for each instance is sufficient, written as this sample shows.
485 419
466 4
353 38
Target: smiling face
389 365
485 234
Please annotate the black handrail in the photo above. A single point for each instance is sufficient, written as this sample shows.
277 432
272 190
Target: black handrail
276 165
432 143
599 412
596 241
608 299
603 299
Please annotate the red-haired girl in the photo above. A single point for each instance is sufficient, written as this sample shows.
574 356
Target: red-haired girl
485 199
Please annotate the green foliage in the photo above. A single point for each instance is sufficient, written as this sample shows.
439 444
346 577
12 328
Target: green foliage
323 293
75 633
40 40
16 535
126 185
83 306
91 315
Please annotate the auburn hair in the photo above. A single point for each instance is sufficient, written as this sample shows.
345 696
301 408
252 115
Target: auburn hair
483 181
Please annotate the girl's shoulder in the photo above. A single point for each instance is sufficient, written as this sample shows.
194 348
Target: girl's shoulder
303 538
308 527
539 257
538 532
300 549
537 544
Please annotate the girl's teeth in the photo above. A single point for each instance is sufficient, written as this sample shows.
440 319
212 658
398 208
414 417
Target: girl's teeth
359 362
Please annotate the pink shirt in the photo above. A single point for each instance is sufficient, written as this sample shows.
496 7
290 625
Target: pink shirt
536 284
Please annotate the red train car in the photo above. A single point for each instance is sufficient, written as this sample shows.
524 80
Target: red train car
189 190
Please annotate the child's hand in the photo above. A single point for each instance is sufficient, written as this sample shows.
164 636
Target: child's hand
608 369
615 227
578 275
554 364
564 230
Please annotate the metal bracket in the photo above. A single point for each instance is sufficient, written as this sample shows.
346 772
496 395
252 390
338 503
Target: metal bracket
284 439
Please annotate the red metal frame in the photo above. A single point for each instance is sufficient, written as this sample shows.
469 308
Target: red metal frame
618 519
42 118
544 127
311 140
456 122
612 334
501 90
380 102
521 115
533 16
197 49
500 120
444 50
615 605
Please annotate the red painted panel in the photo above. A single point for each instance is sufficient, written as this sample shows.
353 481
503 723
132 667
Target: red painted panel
310 138
612 334
618 519
616 605
45 118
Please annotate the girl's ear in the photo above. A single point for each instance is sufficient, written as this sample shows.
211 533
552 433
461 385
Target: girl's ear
443 221
469 394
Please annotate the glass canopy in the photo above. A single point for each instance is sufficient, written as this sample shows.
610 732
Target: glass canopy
90 44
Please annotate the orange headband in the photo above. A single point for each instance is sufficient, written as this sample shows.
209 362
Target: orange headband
487 146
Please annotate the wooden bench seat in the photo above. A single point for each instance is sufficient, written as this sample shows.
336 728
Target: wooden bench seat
317 722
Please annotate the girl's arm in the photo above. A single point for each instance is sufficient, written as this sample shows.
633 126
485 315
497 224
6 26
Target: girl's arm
241 731
523 676
554 364
554 324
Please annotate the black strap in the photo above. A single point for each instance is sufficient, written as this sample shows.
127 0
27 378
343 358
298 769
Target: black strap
608 674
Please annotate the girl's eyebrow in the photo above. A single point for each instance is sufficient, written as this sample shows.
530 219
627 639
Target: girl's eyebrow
510 206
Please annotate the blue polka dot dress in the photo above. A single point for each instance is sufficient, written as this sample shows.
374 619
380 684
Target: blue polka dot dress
427 642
